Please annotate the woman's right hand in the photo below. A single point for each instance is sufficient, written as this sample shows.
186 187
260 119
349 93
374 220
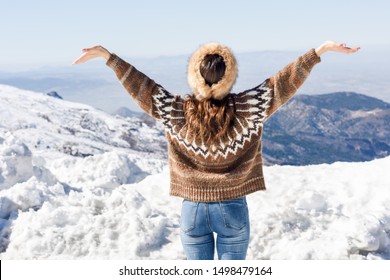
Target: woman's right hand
335 47
91 53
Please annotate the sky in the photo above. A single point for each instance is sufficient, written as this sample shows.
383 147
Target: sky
42 32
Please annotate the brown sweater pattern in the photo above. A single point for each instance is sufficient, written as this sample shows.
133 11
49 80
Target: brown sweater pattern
229 170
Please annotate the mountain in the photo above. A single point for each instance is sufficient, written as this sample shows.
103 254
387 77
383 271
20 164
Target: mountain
143 117
341 126
344 100
54 94
77 183
313 129
52 128
126 112
309 129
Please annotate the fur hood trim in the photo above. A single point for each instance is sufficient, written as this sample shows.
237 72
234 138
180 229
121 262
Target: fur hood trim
201 90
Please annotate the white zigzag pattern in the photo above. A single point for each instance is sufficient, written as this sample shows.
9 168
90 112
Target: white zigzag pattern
163 98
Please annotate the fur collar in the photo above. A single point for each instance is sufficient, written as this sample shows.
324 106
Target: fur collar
198 85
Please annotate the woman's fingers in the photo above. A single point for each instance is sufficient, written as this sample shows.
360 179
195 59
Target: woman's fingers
91 53
353 50
83 58
77 61
335 47
97 47
80 59
346 49
342 47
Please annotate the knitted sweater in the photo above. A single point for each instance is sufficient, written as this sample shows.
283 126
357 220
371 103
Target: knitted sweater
233 169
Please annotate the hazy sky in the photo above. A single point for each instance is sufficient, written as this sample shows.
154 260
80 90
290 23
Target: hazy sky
42 32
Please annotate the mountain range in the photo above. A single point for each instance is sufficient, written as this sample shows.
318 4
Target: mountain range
342 126
313 129
308 129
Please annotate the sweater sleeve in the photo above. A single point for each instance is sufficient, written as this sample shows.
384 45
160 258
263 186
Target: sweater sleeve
284 84
151 97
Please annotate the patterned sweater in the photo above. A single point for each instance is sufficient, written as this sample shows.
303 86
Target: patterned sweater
233 169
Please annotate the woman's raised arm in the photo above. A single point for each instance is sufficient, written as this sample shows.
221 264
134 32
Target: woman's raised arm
150 96
287 81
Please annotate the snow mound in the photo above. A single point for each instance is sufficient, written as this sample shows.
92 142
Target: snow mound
86 225
15 162
106 171
327 211
312 201
85 208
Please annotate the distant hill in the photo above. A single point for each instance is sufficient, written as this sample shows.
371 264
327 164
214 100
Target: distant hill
126 112
48 123
342 126
54 94
344 100
309 129
313 129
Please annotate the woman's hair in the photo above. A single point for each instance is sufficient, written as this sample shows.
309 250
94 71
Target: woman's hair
212 68
210 119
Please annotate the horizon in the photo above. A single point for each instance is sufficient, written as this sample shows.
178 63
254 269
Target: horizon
95 84
369 52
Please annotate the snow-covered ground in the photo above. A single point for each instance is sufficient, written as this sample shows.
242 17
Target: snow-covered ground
101 198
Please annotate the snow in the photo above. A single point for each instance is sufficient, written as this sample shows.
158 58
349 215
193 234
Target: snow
114 204
336 211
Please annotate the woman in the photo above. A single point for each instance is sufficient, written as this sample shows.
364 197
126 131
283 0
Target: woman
214 139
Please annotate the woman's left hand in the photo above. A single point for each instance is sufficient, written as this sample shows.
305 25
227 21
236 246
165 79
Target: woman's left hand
91 53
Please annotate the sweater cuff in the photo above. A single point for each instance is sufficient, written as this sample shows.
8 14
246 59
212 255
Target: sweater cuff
311 58
113 61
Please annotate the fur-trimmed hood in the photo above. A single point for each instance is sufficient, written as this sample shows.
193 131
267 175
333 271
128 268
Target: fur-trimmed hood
200 89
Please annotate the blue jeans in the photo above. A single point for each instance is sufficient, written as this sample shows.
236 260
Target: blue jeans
228 219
